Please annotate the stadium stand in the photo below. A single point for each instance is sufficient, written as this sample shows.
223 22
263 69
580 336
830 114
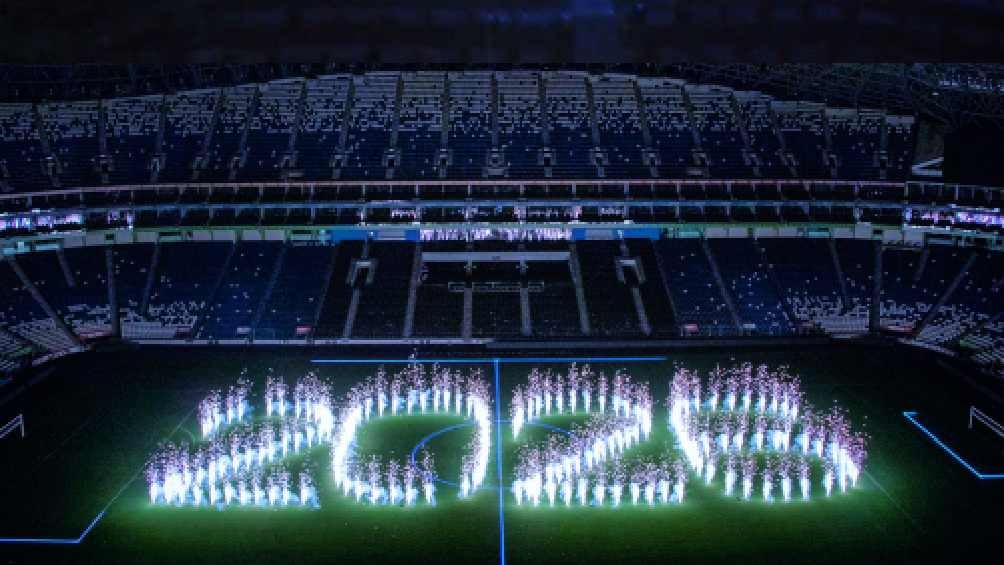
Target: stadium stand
670 128
379 125
384 299
856 259
913 281
319 138
520 123
470 119
371 123
700 306
183 285
618 119
855 137
807 278
292 307
189 119
714 119
757 300
420 125
269 130
131 132
972 304
553 311
224 155
131 267
75 285
608 295
801 125
71 129
24 163
232 312
478 126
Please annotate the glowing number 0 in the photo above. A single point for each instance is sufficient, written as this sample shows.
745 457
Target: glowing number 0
411 392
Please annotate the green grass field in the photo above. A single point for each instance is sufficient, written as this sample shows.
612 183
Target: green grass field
93 423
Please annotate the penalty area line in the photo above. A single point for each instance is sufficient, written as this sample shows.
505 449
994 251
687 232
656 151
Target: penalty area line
916 525
912 417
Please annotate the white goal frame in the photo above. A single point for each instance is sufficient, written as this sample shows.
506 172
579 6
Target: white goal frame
17 422
982 417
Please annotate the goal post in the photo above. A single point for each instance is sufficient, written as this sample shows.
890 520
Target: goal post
15 423
977 415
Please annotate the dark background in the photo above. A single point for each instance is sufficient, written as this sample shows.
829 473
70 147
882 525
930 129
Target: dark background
974 154
500 31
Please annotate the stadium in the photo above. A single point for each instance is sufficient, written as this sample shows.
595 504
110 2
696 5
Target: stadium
502 315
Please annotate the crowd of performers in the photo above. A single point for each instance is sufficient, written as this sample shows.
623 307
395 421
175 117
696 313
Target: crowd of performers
751 424
414 390
587 466
746 427
240 461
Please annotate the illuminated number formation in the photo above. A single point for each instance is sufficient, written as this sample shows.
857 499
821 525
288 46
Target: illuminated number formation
752 427
587 467
240 461
412 391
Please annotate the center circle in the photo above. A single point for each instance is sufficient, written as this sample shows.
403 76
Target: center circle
421 443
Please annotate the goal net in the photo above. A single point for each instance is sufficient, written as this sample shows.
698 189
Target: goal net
16 423
977 416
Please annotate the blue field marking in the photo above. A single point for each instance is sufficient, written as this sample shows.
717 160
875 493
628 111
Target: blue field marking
911 416
498 461
495 362
484 360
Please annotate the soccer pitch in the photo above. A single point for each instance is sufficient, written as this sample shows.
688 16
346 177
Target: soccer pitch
75 483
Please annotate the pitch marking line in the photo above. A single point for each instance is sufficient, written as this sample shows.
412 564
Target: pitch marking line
978 474
100 515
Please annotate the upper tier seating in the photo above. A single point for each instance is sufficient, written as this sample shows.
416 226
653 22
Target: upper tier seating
131 127
189 119
269 130
498 124
470 132
671 131
571 136
22 159
371 120
72 131
519 123
223 155
618 119
856 140
420 124
715 121
323 115
801 124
